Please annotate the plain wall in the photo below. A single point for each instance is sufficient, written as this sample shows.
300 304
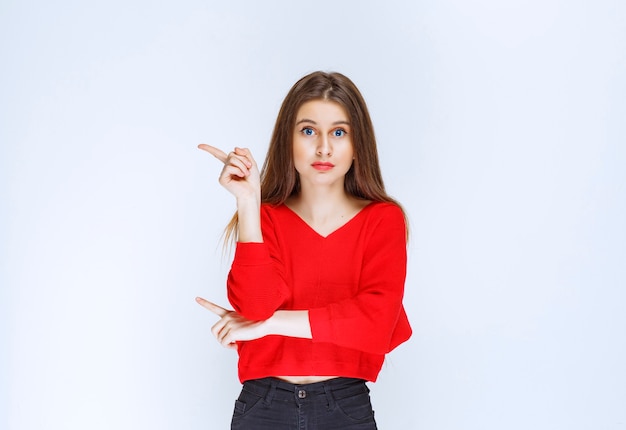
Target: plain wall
501 128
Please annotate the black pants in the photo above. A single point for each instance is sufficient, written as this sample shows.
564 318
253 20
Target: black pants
272 404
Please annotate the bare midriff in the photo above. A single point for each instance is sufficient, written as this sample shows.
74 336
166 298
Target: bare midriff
299 380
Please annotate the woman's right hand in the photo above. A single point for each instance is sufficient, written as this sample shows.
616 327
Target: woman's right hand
240 175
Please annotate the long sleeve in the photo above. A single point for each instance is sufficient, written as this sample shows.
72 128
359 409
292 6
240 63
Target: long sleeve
374 319
256 283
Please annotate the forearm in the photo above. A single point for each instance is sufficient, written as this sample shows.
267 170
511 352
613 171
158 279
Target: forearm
289 323
249 219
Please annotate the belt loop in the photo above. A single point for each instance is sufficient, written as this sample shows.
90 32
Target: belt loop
329 396
271 392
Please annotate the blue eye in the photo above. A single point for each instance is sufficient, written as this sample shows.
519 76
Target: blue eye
339 132
308 131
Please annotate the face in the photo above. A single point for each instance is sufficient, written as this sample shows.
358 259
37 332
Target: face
322 143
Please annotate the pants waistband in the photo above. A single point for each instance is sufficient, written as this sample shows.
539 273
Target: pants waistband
277 389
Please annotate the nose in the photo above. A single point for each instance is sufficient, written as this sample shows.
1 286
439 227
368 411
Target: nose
324 147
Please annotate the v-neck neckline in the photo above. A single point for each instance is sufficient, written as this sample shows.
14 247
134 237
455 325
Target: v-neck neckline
341 227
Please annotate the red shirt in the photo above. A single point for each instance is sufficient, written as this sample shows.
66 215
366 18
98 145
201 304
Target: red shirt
351 281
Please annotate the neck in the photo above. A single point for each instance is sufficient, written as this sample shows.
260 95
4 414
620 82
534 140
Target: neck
325 209
318 203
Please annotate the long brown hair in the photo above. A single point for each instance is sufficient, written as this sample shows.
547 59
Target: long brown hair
279 178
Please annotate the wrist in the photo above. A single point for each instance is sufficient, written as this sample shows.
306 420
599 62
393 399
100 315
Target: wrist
250 197
272 325
249 223
288 323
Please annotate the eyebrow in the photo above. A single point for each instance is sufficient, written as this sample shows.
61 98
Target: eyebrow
314 123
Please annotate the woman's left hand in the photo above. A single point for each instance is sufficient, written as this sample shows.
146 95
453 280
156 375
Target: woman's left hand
232 327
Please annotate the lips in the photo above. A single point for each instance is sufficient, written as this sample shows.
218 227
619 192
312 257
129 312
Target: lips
323 166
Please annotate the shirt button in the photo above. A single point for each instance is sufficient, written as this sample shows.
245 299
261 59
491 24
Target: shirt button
301 394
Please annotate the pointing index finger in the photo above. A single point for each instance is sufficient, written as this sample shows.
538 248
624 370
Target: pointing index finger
216 152
217 310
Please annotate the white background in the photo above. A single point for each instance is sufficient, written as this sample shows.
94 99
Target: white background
501 128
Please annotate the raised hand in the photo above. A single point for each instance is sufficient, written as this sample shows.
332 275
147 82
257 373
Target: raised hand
240 175
232 327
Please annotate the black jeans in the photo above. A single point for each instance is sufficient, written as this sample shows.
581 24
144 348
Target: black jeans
272 404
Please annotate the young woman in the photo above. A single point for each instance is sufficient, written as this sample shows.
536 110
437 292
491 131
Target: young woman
318 273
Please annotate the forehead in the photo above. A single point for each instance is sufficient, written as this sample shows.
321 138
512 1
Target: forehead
322 111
